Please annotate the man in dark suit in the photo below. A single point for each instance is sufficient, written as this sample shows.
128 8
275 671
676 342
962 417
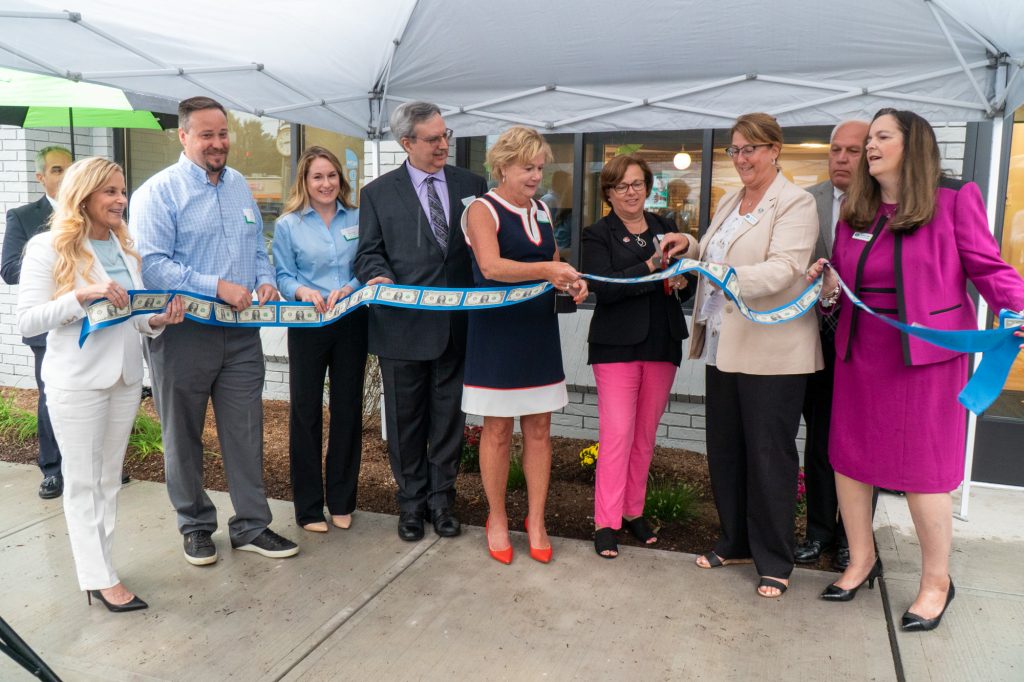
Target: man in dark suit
23 223
824 527
409 233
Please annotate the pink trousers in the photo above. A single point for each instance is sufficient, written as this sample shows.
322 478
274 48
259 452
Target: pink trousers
631 397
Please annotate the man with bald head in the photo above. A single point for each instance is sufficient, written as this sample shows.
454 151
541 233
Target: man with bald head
824 527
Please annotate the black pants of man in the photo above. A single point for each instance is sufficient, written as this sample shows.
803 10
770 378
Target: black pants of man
823 522
752 422
49 452
424 418
338 351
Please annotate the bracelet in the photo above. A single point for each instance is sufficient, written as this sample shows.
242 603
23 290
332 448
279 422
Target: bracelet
830 300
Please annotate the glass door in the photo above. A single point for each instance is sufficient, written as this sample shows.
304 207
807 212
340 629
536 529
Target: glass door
997 450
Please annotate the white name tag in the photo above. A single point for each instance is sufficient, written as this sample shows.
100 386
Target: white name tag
350 233
466 201
250 217
750 218
542 217
862 236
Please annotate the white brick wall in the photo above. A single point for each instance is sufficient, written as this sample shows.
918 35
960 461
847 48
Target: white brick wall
18 186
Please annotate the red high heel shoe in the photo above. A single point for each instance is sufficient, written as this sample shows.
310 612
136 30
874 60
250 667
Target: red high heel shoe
502 555
542 555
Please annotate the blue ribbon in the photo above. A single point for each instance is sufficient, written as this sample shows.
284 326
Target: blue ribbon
998 346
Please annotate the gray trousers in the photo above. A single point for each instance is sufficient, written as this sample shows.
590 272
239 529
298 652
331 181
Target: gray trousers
191 364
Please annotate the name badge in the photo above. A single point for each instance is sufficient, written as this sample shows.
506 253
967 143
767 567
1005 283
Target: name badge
862 236
750 219
250 217
350 233
466 201
542 217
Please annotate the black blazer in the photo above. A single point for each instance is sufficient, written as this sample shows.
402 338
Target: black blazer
622 312
23 223
395 241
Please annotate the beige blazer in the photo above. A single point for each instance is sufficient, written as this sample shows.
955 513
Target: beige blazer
107 354
770 256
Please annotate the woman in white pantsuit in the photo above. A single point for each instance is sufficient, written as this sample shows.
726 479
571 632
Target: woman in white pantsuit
93 391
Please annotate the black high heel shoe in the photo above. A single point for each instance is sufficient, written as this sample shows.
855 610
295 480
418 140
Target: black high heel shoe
135 604
835 593
914 623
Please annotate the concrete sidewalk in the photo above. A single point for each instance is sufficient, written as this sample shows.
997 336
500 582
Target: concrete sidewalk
362 604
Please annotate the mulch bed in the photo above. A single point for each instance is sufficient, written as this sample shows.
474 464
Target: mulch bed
570 506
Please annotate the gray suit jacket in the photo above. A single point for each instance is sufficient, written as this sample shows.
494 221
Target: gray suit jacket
395 241
23 223
822 193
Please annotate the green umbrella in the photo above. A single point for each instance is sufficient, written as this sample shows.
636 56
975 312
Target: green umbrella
32 100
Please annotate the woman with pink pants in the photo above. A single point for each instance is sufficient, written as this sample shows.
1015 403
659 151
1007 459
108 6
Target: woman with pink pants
636 338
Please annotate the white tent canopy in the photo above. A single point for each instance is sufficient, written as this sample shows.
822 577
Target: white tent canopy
562 66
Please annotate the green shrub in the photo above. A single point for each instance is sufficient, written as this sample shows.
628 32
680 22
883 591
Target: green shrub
671 502
470 459
16 423
146 438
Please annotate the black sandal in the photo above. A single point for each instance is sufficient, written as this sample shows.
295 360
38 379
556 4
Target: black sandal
640 529
606 540
771 582
715 561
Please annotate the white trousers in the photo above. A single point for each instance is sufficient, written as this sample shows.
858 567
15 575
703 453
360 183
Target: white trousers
92 429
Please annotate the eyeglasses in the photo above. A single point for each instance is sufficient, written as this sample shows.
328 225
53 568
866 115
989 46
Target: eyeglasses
638 187
745 150
448 132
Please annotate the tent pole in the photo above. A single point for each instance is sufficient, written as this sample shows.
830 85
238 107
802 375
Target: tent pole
71 126
375 157
991 203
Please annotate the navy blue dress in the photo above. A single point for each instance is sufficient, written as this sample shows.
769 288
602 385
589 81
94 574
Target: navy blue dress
514 354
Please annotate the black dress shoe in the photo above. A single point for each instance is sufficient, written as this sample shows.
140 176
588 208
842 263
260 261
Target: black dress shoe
135 604
914 623
51 487
842 559
809 552
125 479
410 526
835 593
445 525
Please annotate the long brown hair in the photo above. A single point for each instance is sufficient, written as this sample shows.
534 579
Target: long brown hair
298 195
70 224
920 171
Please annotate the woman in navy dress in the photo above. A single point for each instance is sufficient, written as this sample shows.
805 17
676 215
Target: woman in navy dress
513 354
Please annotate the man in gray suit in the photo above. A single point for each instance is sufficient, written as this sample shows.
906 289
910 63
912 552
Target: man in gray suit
23 223
824 527
409 233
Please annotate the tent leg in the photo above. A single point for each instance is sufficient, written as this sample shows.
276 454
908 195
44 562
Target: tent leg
991 202
375 157
71 126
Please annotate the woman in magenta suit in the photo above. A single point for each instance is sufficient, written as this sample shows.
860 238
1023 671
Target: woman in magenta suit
907 243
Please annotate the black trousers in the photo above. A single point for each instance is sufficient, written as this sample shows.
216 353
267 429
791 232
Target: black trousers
423 413
752 422
49 452
338 351
823 523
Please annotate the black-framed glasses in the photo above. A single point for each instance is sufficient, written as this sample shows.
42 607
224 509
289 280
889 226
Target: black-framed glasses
434 139
746 150
639 186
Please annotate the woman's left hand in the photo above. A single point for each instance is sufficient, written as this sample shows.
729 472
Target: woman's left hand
173 313
675 244
337 295
578 291
678 282
1020 334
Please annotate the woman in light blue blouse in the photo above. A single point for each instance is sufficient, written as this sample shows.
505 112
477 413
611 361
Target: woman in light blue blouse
314 245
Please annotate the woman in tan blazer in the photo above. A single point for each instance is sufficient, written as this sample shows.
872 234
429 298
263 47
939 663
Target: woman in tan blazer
756 374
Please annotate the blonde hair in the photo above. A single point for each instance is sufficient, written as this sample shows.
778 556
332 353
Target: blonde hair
298 195
70 224
517 145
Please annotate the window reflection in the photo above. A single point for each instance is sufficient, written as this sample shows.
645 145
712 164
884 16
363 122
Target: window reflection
349 151
1011 402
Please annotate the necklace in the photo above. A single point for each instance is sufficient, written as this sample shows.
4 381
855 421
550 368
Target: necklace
640 241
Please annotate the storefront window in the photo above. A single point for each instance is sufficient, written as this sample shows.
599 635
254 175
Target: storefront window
349 151
804 160
555 188
1012 400
260 150
675 160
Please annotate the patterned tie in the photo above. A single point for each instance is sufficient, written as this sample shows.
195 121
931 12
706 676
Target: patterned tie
438 223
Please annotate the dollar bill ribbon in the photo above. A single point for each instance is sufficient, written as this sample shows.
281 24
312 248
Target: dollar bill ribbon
999 346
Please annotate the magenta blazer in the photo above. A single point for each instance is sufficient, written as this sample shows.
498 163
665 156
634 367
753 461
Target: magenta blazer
933 266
